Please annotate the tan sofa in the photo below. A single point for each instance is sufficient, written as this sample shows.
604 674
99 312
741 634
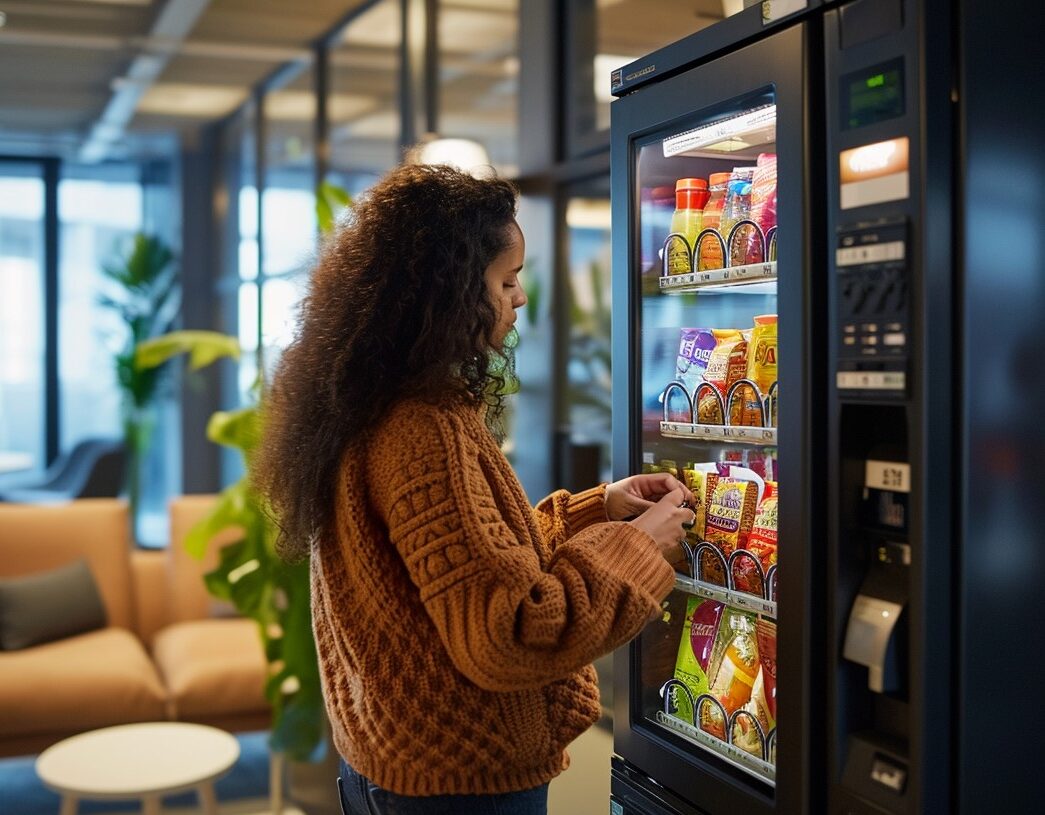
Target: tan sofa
169 651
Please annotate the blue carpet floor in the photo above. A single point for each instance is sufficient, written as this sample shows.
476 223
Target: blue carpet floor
22 793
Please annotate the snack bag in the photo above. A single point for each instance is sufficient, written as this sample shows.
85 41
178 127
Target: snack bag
696 479
763 189
739 663
765 634
761 363
762 541
710 566
745 735
695 648
710 717
695 347
664 466
730 513
745 575
727 364
762 462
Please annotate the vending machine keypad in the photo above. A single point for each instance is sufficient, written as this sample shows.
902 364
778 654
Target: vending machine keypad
871 264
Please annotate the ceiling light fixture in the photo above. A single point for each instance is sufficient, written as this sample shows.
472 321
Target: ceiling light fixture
465 154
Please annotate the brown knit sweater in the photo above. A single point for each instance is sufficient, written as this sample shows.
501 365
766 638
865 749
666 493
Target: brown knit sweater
455 624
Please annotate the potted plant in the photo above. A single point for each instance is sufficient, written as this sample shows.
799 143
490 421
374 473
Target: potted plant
143 291
250 574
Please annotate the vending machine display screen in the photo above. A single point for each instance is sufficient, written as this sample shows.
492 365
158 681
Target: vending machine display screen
873 94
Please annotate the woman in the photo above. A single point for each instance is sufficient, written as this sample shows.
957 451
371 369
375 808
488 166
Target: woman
455 624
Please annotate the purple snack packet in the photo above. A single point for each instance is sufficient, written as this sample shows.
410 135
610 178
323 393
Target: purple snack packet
695 347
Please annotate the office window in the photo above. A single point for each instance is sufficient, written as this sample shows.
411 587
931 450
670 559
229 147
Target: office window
98 212
22 430
288 209
363 101
237 283
479 77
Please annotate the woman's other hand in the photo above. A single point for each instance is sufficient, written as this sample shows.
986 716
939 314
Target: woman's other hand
663 522
634 495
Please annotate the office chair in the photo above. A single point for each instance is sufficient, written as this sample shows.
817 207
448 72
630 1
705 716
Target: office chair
94 468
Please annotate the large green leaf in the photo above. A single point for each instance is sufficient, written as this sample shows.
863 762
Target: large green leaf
229 511
203 348
330 200
532 287
239 429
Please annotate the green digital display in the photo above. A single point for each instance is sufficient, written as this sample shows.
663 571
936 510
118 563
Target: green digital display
873 94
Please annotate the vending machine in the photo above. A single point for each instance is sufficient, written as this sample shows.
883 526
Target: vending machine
828 251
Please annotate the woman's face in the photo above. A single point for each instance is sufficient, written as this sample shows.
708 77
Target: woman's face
502 284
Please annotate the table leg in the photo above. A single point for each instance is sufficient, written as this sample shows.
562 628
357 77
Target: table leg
69 805
276 782
208 801
151 805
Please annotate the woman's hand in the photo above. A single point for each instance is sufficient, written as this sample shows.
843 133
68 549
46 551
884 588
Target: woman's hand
665 522
634 495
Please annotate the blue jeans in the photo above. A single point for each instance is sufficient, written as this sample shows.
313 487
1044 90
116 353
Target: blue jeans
361 797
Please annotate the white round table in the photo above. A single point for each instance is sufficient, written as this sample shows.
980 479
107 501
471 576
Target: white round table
144 761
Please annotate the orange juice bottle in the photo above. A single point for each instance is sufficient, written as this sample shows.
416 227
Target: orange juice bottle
690 196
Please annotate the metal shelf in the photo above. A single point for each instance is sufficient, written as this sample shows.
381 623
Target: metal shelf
762 770
755 278
730 597
757 436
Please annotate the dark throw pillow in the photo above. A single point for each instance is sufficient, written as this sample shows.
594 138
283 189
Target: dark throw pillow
48 606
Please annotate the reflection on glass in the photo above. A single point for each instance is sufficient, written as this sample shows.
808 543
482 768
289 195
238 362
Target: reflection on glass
22 441
588 357
708 369
362 105
479 77
608 34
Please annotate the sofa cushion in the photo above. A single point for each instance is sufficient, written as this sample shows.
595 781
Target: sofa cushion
37 538
212 667
189 599
79 683
48 606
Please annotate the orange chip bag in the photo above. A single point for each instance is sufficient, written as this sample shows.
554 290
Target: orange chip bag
727 364
762 541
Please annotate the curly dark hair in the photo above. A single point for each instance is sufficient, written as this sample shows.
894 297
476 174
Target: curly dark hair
397 307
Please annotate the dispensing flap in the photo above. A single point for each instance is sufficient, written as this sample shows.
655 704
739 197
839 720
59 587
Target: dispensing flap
871 624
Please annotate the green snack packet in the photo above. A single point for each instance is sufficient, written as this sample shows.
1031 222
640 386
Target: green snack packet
699 632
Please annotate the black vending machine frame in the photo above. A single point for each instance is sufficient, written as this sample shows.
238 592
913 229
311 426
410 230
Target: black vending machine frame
782 59
864 726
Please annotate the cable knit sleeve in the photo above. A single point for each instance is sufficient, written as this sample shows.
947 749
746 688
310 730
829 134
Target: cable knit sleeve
562 514
512 611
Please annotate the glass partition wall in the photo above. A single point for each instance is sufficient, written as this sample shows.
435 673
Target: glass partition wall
23 434
487 68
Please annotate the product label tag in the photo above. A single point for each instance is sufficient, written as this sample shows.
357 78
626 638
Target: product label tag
894 476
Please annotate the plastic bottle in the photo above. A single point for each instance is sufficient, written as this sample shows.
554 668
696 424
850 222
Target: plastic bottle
736 209
691 194
710 253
